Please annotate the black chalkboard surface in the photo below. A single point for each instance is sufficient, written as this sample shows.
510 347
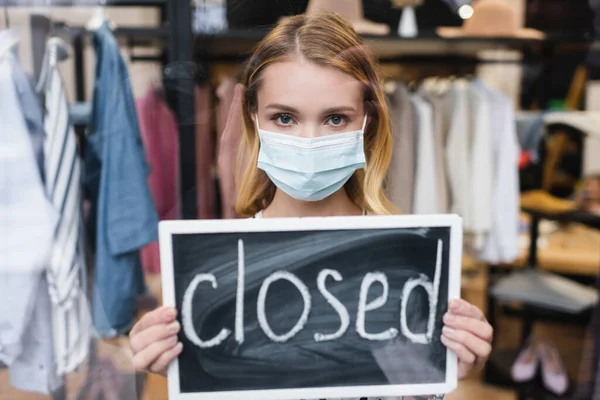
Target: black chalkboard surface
311 307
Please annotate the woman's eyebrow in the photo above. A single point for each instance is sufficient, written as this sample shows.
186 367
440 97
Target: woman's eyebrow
329 111
335 110
282 107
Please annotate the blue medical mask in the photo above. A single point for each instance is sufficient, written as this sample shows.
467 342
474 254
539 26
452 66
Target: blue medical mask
311 169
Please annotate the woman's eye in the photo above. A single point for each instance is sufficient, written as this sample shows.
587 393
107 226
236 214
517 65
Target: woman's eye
283 119
336 120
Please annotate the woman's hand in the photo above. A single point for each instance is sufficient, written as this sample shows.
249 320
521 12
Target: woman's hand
469 335
153 340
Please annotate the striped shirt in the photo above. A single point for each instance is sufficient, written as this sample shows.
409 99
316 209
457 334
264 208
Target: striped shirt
66 272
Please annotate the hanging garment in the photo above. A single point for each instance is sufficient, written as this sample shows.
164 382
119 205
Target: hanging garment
228 154
67 270
401 173
481 172
158 128
27 223
124 218
32 111
225 93
457 150
204 155
530 129
426 197
502 242
439 145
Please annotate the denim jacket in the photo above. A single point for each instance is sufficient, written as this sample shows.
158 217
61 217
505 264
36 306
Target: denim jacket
123 215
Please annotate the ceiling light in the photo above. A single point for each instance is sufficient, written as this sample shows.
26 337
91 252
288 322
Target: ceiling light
465 12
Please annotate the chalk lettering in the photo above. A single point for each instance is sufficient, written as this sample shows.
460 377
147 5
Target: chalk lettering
363 307
335 303
262 297
431 288
432 294
186 314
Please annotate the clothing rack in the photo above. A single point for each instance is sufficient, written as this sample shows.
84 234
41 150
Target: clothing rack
235 46
176 32
41 25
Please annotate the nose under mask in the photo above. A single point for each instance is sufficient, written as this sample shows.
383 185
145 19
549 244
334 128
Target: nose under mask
311 169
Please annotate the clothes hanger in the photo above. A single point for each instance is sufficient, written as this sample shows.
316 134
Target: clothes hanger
6 17
13 40
99 17
57 50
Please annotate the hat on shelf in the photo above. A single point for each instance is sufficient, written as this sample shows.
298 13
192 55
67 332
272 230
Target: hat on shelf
351 10
491 18
542 201
586 121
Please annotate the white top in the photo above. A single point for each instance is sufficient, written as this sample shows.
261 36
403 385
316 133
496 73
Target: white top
481 172
502 242
457 149
426 197
27 222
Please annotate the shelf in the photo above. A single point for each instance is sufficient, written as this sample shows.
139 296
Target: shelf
237 43
136 36
540 314
142 32
587 219
85 3
123 31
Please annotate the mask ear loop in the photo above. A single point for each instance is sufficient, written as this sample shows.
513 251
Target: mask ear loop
365 122
257 123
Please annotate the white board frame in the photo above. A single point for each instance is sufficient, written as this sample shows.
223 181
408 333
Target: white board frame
169 228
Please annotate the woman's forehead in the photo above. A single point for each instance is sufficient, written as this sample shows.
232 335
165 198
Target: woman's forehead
305 85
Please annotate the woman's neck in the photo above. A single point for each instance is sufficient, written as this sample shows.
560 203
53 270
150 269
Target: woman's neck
285 206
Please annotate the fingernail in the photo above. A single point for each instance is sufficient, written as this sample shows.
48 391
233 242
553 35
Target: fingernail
448 318
170 313
179 347
174 327
172 341
455 305
447 331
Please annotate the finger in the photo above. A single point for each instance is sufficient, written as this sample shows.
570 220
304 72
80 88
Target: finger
145 338
145 358
160 315
474 344
477 327
160 366
463 354
466 309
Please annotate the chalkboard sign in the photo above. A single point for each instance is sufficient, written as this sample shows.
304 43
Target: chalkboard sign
309 308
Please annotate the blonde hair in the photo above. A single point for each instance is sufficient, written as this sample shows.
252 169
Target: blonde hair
325 39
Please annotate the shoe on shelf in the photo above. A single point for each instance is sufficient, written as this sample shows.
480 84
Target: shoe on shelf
553 371
526 365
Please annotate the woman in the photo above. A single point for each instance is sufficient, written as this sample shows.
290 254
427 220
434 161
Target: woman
317 143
